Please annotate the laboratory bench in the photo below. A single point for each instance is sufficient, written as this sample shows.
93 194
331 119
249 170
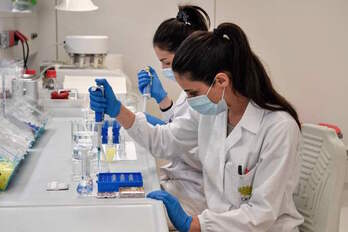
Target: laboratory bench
27 206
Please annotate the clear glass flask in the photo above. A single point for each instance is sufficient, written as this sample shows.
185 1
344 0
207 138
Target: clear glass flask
85 185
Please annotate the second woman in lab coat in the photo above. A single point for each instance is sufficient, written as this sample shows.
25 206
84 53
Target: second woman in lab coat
246 132
183 175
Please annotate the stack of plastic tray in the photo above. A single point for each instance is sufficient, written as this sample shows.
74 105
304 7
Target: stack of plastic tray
25 113
20 128
15 142
21 122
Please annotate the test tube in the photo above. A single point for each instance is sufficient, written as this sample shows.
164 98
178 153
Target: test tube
113 178
130 177
122 178
147 90
148 87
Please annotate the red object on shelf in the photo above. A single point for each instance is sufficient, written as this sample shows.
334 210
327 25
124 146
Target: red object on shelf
30 72
51 73
246 171
12 39
60 95
336 128
20 36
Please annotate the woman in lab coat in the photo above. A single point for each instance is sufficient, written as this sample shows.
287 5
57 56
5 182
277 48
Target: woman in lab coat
246 132
183 175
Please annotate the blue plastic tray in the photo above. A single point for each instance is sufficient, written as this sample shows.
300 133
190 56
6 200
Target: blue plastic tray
112 181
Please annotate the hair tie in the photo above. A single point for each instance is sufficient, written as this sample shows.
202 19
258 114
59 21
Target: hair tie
183 17
217 32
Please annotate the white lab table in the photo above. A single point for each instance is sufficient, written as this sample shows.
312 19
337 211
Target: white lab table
27 206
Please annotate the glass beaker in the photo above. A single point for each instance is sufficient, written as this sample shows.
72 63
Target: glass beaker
83 134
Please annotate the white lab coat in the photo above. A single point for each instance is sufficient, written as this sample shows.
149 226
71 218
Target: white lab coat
266 142
183 175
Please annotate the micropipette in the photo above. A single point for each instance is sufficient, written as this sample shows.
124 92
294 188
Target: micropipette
99 121
147 90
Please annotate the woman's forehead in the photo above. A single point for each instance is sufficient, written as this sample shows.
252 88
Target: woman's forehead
163 53
185 81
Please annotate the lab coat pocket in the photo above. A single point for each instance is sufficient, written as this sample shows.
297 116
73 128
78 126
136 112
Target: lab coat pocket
238 188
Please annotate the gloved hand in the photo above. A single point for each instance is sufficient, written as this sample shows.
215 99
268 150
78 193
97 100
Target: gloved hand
157 91
177 215
107 103
153 120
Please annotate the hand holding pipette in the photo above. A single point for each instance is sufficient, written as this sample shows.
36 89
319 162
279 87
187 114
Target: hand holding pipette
150 85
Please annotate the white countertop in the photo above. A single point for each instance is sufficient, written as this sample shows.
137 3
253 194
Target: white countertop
27 200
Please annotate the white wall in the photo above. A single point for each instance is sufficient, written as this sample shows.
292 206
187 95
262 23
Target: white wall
129 24
305 47
302 43
25 23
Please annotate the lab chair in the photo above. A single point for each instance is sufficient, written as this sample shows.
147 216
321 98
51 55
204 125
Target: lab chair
323 166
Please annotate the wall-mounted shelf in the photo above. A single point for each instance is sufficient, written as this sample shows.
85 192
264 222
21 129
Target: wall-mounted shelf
11 14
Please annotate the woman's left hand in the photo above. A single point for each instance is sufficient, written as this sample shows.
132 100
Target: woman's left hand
176 213
157 91
153 120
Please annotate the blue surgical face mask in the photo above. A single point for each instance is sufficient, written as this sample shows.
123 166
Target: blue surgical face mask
168 73
203 105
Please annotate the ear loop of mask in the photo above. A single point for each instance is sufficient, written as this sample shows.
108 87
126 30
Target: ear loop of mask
223 92
210 87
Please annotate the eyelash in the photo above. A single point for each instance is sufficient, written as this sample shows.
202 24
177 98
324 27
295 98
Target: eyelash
191 94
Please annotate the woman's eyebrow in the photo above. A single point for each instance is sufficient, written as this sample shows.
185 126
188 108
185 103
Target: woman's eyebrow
191 91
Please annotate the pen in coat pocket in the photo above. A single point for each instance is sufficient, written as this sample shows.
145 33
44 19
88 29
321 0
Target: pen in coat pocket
240 170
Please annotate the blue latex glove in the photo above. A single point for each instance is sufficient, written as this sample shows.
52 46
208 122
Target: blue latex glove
177 215
153 120
107 103
157 91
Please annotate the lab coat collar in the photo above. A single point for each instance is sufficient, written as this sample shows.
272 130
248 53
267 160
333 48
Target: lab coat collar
250 121
252 117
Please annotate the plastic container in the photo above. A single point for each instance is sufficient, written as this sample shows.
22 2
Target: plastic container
50 79
111 182
22 5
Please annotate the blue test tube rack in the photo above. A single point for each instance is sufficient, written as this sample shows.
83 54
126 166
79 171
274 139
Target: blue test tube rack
112 182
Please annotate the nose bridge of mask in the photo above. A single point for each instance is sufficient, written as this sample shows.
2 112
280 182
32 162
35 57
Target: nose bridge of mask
168 73
203 105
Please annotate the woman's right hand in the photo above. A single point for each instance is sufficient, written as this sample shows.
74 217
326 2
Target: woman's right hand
108 103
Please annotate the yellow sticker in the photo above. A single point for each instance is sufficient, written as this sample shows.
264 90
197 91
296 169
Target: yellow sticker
245 191
6 170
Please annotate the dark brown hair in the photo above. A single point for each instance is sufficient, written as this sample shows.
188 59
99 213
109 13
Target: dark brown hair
172 32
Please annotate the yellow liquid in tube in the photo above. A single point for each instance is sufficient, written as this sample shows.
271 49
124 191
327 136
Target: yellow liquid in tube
110 153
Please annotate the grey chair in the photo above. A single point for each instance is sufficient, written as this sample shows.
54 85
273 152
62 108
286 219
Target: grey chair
323 167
